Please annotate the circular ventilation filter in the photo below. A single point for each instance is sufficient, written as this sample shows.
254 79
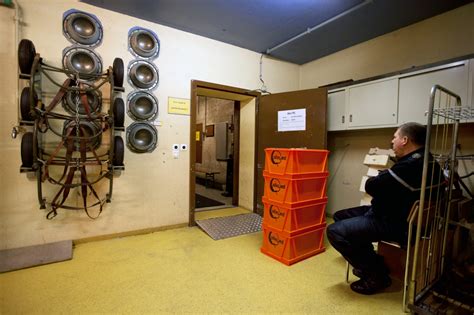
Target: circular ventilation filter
94 99
141 137
143 74
142 106
143 43
82 28
90 130
83 61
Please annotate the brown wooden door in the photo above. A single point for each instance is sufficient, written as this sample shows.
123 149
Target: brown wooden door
268 136
199 143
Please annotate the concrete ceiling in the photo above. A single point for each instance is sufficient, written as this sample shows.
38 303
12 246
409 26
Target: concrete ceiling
296 31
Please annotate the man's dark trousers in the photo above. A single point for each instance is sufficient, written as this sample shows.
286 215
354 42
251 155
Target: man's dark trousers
352 235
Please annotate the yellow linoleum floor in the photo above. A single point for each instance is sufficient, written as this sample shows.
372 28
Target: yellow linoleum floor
185 271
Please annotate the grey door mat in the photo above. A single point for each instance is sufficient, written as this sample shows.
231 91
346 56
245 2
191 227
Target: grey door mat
225 227
24 257
205 202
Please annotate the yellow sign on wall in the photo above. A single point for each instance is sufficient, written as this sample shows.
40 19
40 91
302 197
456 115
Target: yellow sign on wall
180 106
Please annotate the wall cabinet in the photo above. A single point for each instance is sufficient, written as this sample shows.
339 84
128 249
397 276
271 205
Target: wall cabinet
392 101
336 112
368 105
373 104
415 90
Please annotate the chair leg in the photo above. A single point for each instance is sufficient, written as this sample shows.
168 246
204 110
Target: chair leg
347 271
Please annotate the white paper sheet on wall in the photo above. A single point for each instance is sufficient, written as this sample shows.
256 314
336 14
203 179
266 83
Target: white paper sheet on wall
292 120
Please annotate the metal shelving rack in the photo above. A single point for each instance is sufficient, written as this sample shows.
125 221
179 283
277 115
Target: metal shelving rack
427 287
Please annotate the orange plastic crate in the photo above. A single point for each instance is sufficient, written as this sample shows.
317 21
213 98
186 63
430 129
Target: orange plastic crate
295 161
291 249
294 218
294 188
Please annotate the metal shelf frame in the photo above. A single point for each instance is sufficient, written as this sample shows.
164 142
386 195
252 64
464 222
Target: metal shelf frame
427 263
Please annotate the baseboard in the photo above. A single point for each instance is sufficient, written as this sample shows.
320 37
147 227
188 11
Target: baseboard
129 233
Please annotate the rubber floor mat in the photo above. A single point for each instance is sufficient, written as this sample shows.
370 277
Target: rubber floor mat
24 257
204 202
225 227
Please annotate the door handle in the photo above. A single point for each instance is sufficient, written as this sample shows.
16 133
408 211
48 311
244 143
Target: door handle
342 119
350 118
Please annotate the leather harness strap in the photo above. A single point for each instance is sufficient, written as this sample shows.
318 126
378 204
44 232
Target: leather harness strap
87 107
59 96
80 166
65 190
70 148
85 182
84 100
81 162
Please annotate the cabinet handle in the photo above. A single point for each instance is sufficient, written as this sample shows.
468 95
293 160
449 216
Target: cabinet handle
343 119
350 118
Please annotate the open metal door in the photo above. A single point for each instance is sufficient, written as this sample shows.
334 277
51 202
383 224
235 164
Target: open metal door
314 103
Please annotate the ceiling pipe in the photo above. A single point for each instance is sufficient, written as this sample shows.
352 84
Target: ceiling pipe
309 30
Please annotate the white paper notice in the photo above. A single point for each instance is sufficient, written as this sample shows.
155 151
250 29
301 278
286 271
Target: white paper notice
292 120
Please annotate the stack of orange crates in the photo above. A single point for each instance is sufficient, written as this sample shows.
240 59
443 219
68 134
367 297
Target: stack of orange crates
294 203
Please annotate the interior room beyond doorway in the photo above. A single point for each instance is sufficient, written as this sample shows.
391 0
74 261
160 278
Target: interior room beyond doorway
214 153
217 114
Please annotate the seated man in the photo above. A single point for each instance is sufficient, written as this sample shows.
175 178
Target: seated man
393 193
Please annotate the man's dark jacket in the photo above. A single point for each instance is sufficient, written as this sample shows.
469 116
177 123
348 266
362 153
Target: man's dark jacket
395 190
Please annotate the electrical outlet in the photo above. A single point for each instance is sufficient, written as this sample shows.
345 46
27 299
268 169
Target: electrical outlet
184 147
175 149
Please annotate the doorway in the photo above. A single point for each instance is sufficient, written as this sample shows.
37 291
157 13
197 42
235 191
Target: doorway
217 131
259 127
222 154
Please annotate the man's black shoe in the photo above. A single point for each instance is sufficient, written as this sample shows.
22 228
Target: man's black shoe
360 274
370 286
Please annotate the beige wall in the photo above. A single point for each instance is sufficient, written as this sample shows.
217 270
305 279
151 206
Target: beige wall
247 153
442 37
153 191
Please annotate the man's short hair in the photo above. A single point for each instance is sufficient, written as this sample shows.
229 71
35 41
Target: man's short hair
414 131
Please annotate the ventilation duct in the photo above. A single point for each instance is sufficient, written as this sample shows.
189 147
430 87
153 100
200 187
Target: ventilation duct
141 137
143 43
142 106
143 74
83 61
82 28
